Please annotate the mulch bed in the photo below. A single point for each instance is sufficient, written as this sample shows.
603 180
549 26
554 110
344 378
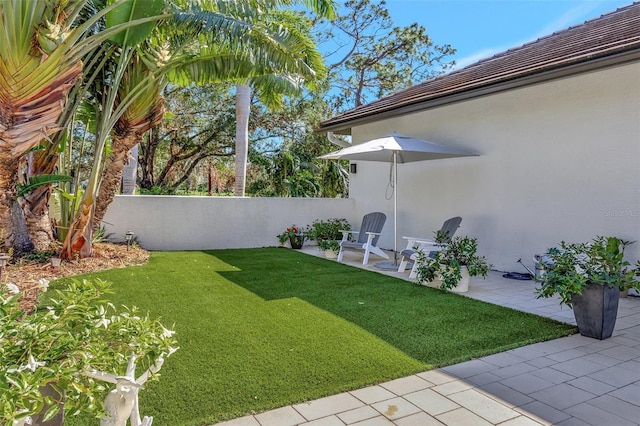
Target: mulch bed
26 275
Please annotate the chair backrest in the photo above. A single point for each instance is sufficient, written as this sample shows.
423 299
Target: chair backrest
450 226
371 222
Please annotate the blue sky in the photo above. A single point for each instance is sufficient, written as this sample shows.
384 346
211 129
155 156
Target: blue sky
481 28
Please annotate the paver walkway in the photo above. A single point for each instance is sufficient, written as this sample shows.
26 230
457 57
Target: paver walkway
571 381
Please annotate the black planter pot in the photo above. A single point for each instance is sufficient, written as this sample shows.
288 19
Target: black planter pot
58 419
296 242
596 310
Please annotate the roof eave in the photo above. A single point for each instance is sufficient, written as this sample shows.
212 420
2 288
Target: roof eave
344 127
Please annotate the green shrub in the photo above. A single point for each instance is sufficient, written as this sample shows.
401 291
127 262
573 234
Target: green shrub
78 331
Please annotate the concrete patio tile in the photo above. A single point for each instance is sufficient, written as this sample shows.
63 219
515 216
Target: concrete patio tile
487 408
623 353
522 421
577 367
562 396
566 355
541 362
551 375
572 421
418 419
327 406
483 379
462 416
509 396
599 345
431 402
406 385
437 377
514 370
626 340
469 368
630 394
590 385
570 342
526 352
376 421
601 359
618 407
596 416
357 415
503 359
240 421
452 387
630 365
396 408
325 421
527 383
543 413
285 416
617 376
372 394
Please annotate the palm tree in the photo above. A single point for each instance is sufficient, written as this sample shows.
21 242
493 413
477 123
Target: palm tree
144 112
245 49
281 82
41 46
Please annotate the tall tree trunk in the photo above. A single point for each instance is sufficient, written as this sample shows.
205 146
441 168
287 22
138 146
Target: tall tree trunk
130 172
243 102
36 202
78 238
146 157
13 229
112 174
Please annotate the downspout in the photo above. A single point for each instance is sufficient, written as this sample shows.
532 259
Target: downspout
337 141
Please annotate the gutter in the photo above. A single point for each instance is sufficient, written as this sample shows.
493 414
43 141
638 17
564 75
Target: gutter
337 141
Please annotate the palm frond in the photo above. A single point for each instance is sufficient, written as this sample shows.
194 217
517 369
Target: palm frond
41 180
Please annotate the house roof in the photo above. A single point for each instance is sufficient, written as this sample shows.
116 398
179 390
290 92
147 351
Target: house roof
611 39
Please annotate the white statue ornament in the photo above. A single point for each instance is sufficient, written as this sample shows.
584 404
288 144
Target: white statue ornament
122 402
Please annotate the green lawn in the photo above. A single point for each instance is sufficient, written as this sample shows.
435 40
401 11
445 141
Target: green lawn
264 328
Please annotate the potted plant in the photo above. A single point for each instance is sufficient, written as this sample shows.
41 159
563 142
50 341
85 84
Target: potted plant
330 248
453 264
294 234
588 277
327 233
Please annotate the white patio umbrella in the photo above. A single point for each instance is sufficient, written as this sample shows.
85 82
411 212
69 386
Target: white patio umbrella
396 148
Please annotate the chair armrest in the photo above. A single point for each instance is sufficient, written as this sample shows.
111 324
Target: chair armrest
413 238
411 242
371 236
345 233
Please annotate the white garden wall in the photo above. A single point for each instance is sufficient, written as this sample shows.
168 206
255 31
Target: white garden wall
559 161
195 223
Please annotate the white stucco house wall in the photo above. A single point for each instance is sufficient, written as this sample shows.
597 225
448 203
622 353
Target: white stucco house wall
557 125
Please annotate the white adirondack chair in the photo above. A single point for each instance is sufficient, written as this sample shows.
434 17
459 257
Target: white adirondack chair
414 245
370 231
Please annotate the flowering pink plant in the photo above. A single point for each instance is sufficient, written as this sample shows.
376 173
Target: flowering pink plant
291 232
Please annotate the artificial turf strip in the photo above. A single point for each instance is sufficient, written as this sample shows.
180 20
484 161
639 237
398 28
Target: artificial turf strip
264 328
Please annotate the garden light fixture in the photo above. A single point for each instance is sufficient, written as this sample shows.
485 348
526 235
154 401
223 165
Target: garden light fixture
3 262
55 261
128 236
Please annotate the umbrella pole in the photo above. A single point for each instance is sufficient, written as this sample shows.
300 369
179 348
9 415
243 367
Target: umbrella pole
395 208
